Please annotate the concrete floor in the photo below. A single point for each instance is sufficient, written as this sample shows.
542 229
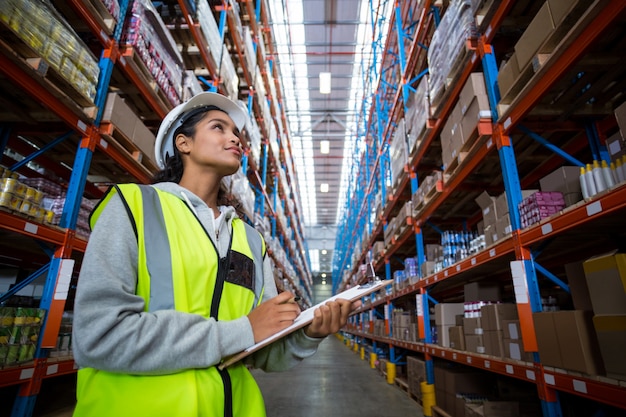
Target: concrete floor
333 382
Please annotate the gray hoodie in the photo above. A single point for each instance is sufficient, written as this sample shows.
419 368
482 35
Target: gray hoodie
111 331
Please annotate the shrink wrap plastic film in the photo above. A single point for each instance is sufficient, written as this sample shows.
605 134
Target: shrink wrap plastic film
448 44
43 29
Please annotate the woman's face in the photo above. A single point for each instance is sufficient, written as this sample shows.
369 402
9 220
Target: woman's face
216 144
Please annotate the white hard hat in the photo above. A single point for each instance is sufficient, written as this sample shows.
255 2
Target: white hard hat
164 144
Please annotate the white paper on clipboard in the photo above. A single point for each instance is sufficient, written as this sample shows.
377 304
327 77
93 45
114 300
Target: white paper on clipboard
306 317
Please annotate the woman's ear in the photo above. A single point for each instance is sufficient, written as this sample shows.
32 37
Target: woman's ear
182 144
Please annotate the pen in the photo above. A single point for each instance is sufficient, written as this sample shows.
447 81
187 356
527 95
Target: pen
292 300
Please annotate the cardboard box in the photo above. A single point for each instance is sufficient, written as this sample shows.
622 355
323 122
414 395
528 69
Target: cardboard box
560 8
577 282
611 332
487 207
476 291
474 343
474 90
493 343
471 325
547 342
462 380
443 335
502 206
511 329
616 145
491 235
457 339
507 75
514 349
578 342
445 313
144 139
117 112
566 180
620 115
606 280
503 226
493 314
475 112
533 37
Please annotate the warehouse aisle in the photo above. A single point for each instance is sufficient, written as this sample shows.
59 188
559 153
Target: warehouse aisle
333 382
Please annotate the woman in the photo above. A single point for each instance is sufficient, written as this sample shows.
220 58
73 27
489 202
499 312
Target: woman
172 283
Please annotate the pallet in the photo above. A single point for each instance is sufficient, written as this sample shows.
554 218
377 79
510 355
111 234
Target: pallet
426 199
115 137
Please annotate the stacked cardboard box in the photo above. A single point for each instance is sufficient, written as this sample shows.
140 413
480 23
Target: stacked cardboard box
416 374
445 317
493 317
565 180
606 280
459 131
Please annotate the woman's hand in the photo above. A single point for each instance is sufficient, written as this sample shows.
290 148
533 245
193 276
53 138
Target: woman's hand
330 317
273 316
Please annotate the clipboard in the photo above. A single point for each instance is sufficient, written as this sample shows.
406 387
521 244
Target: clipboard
306 317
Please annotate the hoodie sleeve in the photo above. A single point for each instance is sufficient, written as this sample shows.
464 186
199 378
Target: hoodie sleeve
287 351
111 330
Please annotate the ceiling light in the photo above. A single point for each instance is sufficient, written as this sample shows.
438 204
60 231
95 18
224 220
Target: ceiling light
325 147
324 188
323 274
324 251
324 282
324 82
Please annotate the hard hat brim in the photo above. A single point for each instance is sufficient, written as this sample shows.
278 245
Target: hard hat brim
164 144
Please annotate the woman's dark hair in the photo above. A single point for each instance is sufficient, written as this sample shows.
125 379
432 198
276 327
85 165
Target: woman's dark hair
173 171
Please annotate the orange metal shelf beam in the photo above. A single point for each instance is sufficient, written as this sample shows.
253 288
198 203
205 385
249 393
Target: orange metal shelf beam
93 23
38 231
567 58
42 95
20 374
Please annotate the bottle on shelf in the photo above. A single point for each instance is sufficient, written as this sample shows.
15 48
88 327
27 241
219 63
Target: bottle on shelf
598 177
583 183
591 184
607 174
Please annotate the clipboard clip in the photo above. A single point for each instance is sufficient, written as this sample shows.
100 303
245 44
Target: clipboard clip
370 274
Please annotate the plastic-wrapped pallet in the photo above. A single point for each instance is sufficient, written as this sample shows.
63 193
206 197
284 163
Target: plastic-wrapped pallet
254 136
145 31
418 112
398 153
228 74
448 46
43 29
249 52
210 29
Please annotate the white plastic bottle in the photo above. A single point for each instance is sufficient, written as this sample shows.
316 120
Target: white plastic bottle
591 184
598 177
607 175
619 170
583 183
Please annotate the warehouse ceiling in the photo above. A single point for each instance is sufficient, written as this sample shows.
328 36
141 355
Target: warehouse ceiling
313 37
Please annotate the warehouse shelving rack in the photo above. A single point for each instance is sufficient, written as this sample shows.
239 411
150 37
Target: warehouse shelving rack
86 124
524 245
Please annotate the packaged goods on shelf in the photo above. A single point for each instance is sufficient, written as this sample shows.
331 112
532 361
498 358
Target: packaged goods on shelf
606 281
43 29
398 153
567 340
240 189
145 31
456 246
540 205
611 334
17 196
113 8
447 47
418 113
19 331
249 53
228 74
191 86
428 188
